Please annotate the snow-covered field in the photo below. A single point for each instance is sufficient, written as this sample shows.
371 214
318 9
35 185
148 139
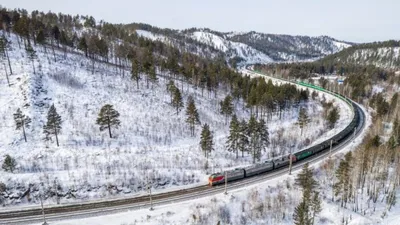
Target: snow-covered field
153 143
270 202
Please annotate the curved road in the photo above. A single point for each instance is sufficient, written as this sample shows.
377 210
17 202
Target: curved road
55 213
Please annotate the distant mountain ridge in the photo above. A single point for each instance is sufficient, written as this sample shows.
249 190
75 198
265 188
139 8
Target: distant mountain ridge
245 47
381 54
292 48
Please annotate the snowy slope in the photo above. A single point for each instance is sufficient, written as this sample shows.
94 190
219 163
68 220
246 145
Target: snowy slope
271 202
249 47
341 45
151 36
152 143
232 49
387 57
384 54
291 48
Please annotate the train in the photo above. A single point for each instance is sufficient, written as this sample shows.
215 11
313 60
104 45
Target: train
277 163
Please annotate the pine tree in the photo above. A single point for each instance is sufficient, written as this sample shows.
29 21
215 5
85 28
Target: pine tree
53 125
82 45
243 137
31 55
41 38
333 117
149 67
393 101
396 131
342 186
108 117
152 74
310 205
233 142
392 143
206 140
226 106
9 164
303 119
56 34
135 72
177 100
4 48
192 115
314 95
300 216
264 134
316 206
21 121
305 178
171 88
255 138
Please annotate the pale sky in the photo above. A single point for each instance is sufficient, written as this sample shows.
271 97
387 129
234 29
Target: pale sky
349 20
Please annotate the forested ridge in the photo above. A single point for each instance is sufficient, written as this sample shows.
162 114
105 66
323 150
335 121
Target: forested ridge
278 47
383 54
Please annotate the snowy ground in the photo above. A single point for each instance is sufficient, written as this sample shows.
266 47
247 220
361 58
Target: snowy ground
152 143
230 48
270 202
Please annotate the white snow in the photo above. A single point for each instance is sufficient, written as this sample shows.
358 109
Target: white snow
270 202
386 57
152 142
151 36
341 45
249 54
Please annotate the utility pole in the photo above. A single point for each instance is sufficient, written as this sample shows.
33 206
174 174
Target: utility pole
226 183
151 199
56 191
290 163
44 217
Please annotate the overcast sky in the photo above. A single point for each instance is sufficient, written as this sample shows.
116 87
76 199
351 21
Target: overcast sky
350 20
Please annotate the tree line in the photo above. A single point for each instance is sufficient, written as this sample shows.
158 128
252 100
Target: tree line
358 78
102 41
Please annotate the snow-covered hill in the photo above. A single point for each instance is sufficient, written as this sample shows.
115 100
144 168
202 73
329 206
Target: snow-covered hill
291 48
247 48
380 54
385 57
153 142
212 45
232 49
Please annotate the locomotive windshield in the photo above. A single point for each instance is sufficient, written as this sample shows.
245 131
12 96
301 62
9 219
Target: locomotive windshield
214 175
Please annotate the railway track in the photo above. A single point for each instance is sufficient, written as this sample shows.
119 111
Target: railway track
55 213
